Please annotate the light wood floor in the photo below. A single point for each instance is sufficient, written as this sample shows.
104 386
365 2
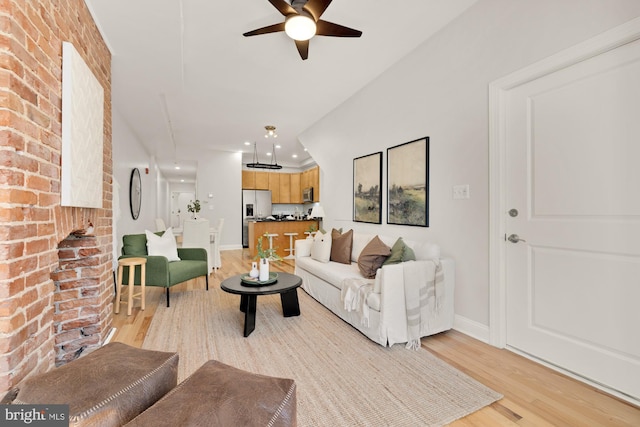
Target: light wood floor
533 394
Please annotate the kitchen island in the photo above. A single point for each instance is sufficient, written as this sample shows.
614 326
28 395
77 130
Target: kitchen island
259 228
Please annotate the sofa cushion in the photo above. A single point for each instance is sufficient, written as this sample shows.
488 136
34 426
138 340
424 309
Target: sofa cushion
186 270
360 240
321 247
400 252
164 245
341 246
372 257
221 395
109 386
333 273
134 244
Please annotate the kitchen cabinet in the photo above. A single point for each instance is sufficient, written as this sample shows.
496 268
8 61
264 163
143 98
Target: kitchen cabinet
274 186
285 187
311 178
314 178
295 187
262 180
248 180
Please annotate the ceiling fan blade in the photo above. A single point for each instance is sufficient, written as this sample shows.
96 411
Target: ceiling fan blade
283 7
325 28
266 30
316 7
303 48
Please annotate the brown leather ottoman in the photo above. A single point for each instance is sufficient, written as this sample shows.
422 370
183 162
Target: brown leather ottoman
107 387
221 395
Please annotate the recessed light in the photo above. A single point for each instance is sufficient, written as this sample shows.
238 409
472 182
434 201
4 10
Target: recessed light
268 154
295 156
177 167
247 143
277 146
182 180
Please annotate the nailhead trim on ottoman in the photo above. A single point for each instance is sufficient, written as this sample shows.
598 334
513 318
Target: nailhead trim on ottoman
107 387
219 395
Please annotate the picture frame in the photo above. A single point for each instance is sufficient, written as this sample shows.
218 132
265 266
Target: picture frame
408 183
367 188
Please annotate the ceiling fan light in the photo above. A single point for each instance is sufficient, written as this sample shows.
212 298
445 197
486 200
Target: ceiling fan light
300 27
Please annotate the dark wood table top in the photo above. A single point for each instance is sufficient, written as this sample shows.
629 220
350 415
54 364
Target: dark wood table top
285 282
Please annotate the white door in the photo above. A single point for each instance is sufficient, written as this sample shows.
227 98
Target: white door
179 202
573 175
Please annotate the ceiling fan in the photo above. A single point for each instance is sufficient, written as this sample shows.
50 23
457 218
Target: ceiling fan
302 22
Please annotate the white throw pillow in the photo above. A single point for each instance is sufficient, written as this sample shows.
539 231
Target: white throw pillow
164 245
321 247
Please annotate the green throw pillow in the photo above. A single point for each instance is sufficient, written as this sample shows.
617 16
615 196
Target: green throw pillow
408 254
396 253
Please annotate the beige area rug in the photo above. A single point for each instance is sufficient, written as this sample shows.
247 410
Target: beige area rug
343 378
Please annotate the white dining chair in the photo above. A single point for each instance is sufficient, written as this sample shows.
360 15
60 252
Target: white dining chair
216 234
195 234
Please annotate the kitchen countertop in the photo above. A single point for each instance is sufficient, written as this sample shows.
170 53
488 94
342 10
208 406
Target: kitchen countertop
281 220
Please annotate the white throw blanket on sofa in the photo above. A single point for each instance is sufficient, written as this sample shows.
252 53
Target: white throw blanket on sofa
423 293
354 296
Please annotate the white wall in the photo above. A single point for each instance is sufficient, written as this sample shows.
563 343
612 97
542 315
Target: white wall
220 174
128 153
441 90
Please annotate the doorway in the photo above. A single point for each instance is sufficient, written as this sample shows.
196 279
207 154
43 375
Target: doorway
565 215
179 202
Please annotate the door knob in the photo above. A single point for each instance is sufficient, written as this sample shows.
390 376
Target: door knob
514 238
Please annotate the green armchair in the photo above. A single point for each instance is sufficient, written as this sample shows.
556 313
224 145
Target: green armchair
161 272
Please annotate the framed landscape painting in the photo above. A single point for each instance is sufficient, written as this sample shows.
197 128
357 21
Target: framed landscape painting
408 183
367 188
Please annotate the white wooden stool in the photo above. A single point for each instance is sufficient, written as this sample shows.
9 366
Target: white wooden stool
290 249
132 263
271 236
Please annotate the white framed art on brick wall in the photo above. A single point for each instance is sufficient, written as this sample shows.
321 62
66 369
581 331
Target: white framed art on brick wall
82 132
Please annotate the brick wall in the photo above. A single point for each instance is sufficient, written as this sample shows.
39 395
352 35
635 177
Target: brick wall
32 222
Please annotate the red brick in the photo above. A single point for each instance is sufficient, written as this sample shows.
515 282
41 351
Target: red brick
37 246
9 325
12 250
12 159
8 307
13 287
62 275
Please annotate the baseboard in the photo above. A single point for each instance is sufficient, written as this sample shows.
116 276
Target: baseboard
472 328
109 337
230 247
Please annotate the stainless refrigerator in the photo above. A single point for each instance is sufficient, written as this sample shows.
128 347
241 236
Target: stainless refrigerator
256 204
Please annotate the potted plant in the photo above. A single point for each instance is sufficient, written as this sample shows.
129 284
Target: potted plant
194 208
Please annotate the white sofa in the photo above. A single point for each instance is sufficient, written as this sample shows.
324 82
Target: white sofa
387 316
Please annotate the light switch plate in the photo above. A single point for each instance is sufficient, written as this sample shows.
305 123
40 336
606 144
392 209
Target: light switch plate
461 191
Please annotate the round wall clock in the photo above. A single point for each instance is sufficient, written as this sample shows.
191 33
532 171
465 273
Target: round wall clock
135 193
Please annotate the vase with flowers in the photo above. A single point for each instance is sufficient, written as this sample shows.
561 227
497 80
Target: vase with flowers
194 208
265 256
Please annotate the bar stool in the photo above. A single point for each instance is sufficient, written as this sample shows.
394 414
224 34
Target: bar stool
290 249
132 263
271 236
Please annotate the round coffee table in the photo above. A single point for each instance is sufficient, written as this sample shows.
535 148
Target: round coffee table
286 285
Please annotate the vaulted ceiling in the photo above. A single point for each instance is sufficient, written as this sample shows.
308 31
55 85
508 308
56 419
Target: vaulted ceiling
184 76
